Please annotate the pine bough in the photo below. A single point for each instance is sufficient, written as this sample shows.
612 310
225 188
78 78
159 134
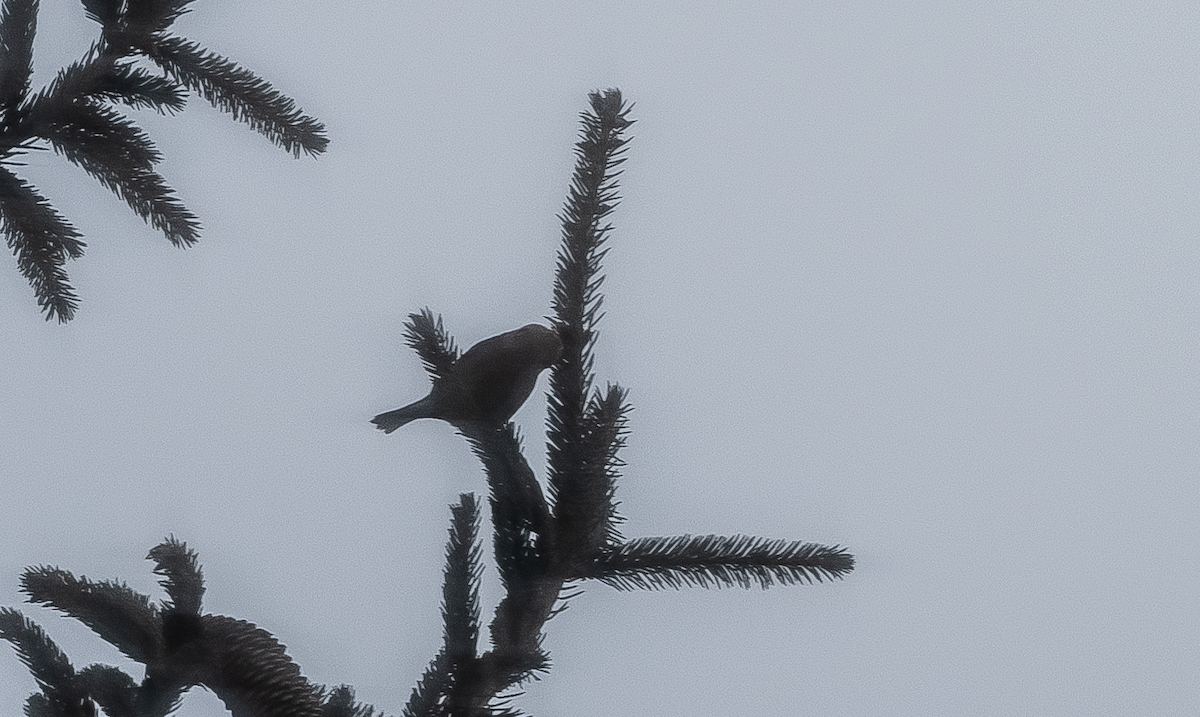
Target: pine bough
544 547
75 116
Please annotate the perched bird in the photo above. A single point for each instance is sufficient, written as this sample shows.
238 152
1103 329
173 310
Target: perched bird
486 384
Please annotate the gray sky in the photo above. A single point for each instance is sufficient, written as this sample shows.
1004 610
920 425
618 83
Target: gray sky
917 279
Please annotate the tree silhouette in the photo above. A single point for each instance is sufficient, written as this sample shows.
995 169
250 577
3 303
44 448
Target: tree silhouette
74 114
545 544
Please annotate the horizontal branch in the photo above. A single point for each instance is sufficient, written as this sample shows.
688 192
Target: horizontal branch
717 561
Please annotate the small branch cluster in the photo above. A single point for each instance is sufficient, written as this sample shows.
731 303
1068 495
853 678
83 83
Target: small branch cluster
74 114
545 546
244 665
544 543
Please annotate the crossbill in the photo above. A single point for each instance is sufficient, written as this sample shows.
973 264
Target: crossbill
488 383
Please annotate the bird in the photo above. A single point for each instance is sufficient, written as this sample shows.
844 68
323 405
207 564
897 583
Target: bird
487 384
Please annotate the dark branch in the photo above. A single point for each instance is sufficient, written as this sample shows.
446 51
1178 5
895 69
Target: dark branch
425 334
119 615
428 696
139 89
46 662
105 12
180 575
61 693
523 541
246 96
577 300
117 694
74 113
520 516
717 561
42 240
585 508
18 23
113 150
341 703
460 592
253 675
146 17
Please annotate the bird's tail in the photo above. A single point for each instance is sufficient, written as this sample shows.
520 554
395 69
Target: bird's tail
390 421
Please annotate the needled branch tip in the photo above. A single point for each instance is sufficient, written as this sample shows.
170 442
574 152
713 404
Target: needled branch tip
74 114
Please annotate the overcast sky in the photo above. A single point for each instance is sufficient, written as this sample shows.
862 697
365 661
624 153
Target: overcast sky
920 279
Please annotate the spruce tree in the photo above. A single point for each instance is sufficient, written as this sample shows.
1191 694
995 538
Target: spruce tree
547 544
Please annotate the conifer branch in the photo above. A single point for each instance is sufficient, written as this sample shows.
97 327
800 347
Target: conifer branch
585 508
520 517
717 561
89 133
341 703
541 553
425 334
577 300
46 661
523 541
18 23
147 194
103 76
61 694
460 592
137 88
111 149
244 665
251 672
42 241
147 17
464 687
428 696
124 618
105 12
117 694
241 93
74 115
180 576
